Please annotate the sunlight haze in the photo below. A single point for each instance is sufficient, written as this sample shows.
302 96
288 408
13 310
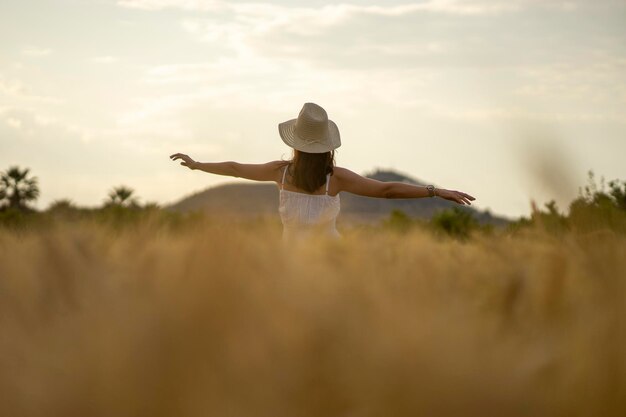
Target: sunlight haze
508 101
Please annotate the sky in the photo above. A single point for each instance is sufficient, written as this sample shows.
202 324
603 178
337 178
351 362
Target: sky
510 101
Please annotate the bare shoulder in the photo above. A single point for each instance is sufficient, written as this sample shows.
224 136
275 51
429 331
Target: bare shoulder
276 169
277 164
340 173
344 178
345 175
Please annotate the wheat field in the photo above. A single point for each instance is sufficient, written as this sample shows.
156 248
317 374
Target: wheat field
223 319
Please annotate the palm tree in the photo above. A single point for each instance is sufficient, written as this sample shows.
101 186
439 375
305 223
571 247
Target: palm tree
122 196
17 188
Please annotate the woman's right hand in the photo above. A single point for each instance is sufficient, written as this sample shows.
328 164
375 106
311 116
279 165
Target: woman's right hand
186 160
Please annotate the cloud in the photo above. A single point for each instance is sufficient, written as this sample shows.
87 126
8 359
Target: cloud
32 124
36 52
13 122
66 164
82 164
437 6
595 81
15 91
182 73
105 59
194 5
526 114
431 34
454 7
475 63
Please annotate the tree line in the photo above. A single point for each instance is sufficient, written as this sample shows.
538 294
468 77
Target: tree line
598 206
19 189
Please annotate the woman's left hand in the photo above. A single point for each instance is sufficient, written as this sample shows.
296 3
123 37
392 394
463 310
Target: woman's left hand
456 196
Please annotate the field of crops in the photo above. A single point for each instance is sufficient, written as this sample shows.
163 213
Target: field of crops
225 320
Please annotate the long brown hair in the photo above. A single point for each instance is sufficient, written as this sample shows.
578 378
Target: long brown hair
308 170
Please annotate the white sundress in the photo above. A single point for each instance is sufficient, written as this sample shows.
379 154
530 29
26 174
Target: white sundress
305 214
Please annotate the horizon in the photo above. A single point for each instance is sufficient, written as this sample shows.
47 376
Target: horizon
509 102
237 181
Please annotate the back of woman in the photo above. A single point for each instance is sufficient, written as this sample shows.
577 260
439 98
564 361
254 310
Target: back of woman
309 203
303 214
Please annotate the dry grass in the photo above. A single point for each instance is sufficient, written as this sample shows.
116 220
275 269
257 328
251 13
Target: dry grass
217 321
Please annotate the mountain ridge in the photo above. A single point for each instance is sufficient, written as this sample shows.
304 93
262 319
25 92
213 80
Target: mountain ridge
262 199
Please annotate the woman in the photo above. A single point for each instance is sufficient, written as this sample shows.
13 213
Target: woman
310 183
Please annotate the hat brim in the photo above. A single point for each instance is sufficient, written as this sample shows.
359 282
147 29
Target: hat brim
287 131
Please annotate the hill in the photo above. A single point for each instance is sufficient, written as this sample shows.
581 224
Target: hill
262 199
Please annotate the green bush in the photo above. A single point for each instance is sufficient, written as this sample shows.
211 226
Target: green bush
596 208
398 221
455 222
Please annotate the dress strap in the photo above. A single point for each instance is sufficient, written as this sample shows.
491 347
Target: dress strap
327 182
282 183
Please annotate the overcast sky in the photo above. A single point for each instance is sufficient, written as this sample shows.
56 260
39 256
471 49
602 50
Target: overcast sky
506 100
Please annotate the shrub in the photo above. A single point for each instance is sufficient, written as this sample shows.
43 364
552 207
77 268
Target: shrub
455 222
398 221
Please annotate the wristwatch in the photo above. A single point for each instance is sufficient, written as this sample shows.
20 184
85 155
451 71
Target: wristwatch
431 190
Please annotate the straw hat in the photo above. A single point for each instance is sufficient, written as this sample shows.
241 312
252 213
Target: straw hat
311 132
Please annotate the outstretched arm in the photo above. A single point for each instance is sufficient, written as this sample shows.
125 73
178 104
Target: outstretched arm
356 184
256 172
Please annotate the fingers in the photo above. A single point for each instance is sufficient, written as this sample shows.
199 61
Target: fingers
176 156
457 196
186 159
462 198
469 197
454 196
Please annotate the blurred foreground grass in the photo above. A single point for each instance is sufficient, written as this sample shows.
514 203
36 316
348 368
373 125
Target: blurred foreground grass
222 319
